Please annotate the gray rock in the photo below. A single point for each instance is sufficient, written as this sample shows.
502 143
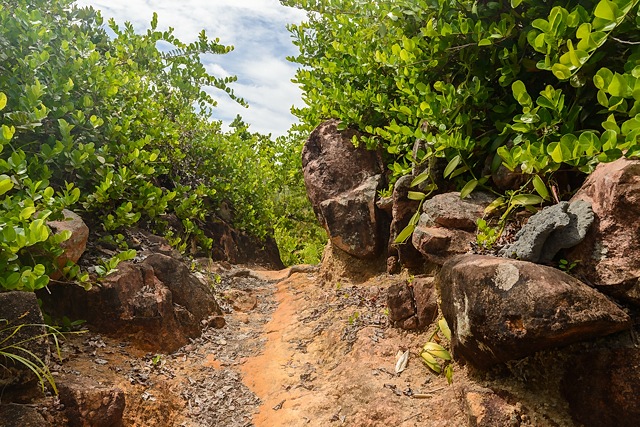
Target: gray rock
556 227
580 219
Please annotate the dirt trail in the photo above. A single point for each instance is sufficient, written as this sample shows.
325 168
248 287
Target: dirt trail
307 354
329 358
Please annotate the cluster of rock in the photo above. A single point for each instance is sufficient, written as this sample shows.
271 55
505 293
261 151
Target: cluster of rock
156 303
500 308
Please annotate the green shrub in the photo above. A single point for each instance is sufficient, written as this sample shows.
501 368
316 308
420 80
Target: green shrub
118 130
539 87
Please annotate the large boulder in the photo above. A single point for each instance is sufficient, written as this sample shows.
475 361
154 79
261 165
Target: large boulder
602 387
342 182
22 334
610 252
501 309
157 304
447 225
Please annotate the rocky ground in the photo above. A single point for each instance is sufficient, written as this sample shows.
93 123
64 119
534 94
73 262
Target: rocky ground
298 352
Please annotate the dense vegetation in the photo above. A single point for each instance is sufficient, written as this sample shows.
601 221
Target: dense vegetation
545 89
119 131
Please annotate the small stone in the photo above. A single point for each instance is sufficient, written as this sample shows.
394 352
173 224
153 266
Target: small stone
89 404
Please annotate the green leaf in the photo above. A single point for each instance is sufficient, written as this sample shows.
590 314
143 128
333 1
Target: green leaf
485 42
606 10
541 24
540 187
444 328
437 350
405 233
468 188
494 205
431 362
515 3
618 86
526 200
27 212
5 184
38 231
561 71
416 195
452 165
420 179
3 100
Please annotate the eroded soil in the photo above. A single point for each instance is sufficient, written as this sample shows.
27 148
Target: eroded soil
308 354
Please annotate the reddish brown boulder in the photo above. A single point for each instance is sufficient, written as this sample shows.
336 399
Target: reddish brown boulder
157 304
89 404
447 225
412 305
501 309
75 246
602 387
342 182
610 252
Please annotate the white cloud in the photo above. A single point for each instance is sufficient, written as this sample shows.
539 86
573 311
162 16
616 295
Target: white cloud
257 30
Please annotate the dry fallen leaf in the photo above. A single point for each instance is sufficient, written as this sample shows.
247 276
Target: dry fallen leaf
401 361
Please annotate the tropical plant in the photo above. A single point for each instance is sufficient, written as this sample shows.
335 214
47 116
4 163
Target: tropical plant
541 88
14 349
120 131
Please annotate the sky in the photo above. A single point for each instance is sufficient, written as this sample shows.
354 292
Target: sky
257 30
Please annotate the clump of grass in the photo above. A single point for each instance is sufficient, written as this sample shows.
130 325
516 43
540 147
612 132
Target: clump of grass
14 348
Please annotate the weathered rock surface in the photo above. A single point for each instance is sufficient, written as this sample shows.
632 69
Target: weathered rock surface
20 310
447 225
89 404
556 227
238 247
412 305
484 408
15 415
602 387
610 253
501 309
158 304
75 246
342 182
402 211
